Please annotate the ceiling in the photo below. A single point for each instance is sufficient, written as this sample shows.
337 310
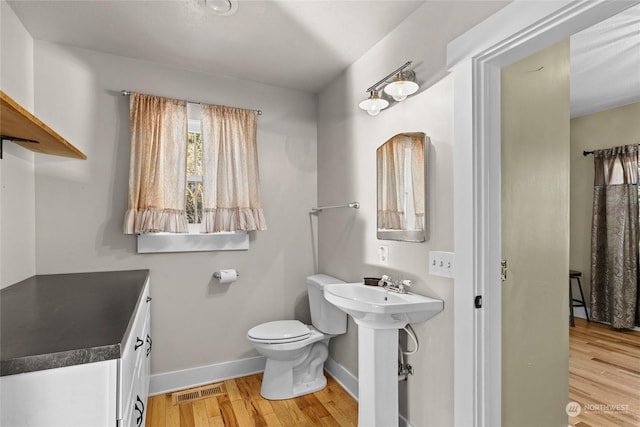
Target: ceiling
305 44
605 64
298 44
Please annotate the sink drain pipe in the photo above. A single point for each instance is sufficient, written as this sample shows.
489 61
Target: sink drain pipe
405 369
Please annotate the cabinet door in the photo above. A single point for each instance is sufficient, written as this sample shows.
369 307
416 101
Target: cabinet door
139 397
135 367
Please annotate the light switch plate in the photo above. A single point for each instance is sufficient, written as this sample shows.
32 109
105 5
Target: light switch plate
383 254
442 263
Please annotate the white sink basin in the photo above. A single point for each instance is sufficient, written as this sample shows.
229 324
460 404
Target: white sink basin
378 308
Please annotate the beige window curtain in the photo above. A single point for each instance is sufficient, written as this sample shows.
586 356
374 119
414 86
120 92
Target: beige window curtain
231 181
417 178
157 172
391 189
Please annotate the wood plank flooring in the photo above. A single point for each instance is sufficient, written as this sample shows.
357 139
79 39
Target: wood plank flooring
241 405
604 375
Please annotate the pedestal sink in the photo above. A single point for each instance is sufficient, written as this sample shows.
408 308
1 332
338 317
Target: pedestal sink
379 314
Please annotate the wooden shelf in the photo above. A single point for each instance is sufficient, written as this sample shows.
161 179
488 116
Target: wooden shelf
23 128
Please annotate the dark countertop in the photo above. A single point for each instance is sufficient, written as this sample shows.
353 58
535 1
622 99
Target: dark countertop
51 321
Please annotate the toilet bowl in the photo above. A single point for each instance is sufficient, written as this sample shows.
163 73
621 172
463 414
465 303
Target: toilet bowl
296 352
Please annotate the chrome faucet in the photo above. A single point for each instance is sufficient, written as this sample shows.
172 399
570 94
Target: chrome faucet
398 286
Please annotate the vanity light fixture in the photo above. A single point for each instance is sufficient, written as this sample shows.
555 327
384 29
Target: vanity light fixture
402 86
222 7
374 104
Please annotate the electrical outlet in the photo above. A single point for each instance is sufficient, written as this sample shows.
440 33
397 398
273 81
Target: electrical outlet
383 255
442 263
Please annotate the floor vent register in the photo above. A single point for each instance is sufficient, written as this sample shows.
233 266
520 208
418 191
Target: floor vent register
197 393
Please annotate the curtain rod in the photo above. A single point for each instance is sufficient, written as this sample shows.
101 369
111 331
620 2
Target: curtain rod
128 92
586 153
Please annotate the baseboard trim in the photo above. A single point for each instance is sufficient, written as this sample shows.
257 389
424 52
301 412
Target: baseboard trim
194 377
346 379
582 316
580 312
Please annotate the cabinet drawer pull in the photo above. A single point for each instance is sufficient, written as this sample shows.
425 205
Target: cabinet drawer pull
139 344
139 410
150 344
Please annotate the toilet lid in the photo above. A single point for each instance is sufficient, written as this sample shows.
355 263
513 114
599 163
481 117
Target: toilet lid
280 331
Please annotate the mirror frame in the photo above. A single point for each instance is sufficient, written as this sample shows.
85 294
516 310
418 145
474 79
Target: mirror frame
407 235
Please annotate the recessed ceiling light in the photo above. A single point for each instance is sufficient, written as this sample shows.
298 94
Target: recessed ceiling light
222 7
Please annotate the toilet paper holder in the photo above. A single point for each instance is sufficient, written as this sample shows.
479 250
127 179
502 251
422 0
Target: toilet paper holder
217 274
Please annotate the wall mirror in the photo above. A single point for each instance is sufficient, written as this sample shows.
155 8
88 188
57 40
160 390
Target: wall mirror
402 188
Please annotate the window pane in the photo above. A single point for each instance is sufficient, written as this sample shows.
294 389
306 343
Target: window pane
198 154
194 202
199 201
191 143
191 203
194 154
194 178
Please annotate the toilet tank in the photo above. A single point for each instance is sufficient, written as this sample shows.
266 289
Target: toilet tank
325 317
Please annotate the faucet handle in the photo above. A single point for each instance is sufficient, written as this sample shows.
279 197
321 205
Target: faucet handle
404 284
384 281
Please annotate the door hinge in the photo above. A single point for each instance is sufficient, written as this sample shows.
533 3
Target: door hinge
477 301
503 270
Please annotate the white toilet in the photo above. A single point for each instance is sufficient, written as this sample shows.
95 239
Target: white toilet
296 352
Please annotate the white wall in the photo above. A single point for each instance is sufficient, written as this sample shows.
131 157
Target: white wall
81 204
347 142
17 179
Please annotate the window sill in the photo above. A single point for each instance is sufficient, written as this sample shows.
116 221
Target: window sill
192 242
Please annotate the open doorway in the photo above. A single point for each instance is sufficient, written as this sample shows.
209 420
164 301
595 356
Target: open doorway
476 59
603 361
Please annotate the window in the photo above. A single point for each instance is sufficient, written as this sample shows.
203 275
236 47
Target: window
194 188
203 186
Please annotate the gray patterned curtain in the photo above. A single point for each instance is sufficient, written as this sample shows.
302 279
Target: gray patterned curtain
614 237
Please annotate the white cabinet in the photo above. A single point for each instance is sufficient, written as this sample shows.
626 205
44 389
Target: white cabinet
74 396
134 368
107 393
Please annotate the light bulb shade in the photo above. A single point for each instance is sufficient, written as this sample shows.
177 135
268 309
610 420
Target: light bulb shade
373 105
401 88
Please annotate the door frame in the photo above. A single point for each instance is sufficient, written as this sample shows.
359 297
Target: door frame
475 59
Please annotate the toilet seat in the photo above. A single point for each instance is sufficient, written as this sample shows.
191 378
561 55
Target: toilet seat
279 332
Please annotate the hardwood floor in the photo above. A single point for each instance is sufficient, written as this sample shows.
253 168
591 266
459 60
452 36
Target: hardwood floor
604 375
240 404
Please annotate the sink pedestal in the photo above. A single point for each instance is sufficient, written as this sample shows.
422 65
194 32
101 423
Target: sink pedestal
379 314
377 377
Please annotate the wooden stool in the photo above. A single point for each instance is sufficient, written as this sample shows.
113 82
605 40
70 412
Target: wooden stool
574 302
